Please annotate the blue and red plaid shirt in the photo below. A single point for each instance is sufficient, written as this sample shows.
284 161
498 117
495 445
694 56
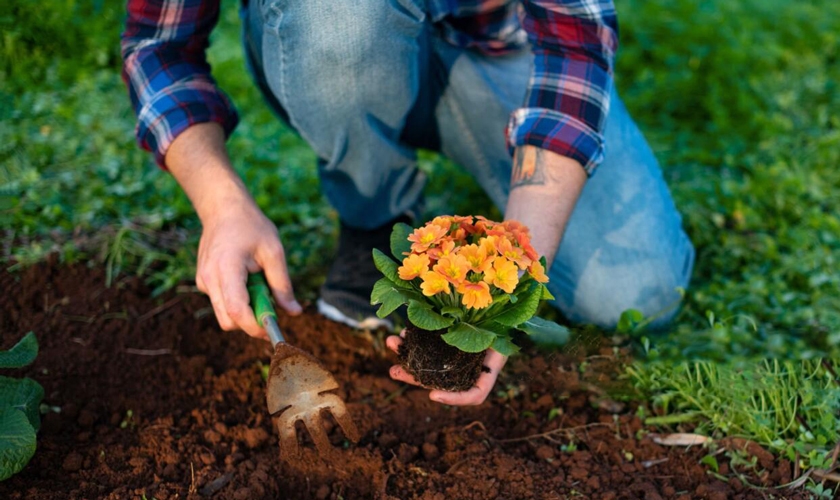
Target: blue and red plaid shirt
573 42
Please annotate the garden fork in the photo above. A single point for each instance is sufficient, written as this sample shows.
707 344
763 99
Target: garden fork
298 384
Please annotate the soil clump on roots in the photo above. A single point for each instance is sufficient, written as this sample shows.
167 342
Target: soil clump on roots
434 363
156 400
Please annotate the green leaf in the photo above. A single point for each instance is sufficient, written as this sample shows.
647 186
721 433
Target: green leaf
504 346
385 292
421 315
399 240
524 309
17 442
22 394
469 338
711 461
455 312
629 320
546 295
386 265
544 332
21 354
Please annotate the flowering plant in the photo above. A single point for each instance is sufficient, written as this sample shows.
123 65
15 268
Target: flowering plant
476 278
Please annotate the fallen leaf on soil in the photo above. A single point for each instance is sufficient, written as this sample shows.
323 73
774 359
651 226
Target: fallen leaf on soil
679 439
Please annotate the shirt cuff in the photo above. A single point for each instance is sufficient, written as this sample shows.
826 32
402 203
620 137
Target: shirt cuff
557 132
173 110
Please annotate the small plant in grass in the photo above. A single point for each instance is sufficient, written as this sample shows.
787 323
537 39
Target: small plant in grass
468 283
20 401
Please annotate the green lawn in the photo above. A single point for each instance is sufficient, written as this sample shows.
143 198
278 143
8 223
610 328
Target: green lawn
739 100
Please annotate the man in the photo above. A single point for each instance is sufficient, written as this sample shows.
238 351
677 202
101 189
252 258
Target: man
366 83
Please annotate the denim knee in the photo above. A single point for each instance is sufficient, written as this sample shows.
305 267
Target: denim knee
604 290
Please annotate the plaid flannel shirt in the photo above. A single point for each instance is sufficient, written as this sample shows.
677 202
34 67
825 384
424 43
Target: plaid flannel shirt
573 43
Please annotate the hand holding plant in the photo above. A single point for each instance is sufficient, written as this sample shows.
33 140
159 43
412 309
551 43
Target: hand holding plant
468 283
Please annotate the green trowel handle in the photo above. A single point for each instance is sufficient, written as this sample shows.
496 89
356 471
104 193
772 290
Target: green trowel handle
261 302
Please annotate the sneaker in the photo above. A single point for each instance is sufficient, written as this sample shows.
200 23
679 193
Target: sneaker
345 296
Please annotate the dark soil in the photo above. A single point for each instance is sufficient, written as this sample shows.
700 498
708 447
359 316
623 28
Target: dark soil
155 400
436 364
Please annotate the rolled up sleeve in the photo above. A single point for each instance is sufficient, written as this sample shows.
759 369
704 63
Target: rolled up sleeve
165 68
574 44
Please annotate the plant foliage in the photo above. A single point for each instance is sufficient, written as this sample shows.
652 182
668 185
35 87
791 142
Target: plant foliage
20 401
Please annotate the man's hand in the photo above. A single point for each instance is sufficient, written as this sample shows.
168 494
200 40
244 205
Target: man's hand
475 396
237 241
237 238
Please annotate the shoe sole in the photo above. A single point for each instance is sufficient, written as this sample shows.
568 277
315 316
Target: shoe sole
370 323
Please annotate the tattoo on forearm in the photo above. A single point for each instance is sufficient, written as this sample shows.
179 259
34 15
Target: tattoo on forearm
528 168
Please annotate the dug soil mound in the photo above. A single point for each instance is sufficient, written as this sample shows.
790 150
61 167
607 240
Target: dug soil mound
155 400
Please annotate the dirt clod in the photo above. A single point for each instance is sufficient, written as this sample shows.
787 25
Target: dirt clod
430 451
323 492
254 438
545 452
72 462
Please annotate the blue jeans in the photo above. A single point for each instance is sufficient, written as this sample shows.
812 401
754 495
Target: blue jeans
367 83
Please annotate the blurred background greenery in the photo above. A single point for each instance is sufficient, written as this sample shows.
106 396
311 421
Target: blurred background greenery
739 100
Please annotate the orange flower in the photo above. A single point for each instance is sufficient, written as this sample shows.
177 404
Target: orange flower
503 274
433 283
510 252
446 247
454 268
476 256
444 221
498 231
413 266
537 271
515 227
483 225
475 295
525 243
425 237
465 224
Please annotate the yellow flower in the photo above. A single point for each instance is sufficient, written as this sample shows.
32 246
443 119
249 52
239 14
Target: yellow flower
503 274
476 256
425 237
454 268
538 272
510 252
413 266
475 295
433 283
488 243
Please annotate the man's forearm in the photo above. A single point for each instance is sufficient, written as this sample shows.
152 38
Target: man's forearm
199 162
544 189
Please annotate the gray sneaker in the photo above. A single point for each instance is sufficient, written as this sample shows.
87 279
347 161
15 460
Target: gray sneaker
345 296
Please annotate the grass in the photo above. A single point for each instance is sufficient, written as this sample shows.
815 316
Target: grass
742 110
789 407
